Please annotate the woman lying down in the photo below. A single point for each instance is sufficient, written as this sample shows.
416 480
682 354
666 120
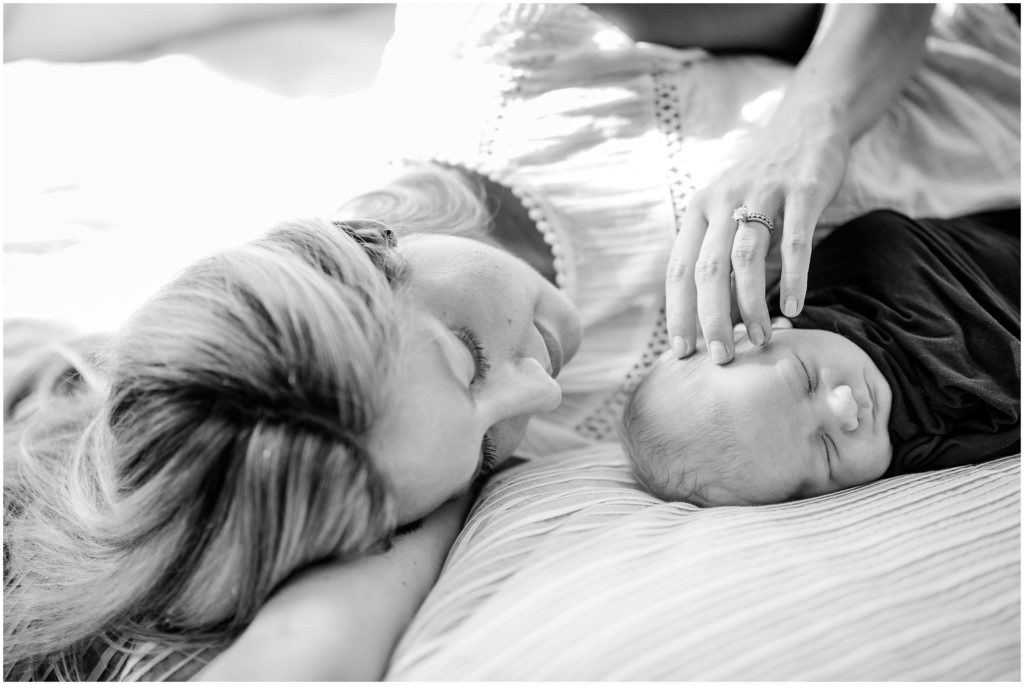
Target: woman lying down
905 358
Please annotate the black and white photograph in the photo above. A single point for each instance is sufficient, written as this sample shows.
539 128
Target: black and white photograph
511 342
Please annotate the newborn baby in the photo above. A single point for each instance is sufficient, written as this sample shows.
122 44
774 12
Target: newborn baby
905 358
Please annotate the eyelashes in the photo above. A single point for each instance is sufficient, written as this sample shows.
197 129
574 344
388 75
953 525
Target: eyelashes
488 450
490 456
812 384
480 363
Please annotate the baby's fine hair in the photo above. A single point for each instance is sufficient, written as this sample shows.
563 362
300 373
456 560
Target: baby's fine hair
677 447
165 481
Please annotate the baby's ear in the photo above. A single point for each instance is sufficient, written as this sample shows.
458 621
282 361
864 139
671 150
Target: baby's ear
781 322
739 333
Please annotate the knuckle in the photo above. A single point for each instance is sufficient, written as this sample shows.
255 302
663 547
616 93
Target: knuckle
768 189
708 269
803 188
744 253
699 198
678 269
797 242
752 304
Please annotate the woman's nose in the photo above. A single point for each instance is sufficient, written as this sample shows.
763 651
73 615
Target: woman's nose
843 408
524 387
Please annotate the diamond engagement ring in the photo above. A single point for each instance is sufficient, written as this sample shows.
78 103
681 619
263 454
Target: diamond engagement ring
743 213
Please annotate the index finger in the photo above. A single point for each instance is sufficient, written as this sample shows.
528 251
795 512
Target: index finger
680 287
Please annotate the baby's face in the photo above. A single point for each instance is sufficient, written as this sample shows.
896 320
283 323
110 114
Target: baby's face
810 413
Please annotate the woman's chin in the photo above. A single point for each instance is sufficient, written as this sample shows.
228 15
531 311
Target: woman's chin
508 435
571 338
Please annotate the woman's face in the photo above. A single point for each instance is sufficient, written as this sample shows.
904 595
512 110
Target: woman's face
486 338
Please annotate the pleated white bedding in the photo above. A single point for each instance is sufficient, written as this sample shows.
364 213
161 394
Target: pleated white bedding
568 571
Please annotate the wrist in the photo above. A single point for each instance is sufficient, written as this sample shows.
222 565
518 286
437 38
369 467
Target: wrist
822 117
814 126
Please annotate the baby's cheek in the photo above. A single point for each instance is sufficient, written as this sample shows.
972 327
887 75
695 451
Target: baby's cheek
885 452
876 458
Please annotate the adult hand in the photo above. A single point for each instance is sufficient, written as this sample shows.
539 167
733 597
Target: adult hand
789 171
860 59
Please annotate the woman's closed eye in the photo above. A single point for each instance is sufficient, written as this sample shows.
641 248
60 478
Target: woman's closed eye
472 343
488 450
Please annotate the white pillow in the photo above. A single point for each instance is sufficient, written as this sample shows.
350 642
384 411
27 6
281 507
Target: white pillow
566 570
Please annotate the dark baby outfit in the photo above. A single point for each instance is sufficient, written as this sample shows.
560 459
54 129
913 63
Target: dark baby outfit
936 305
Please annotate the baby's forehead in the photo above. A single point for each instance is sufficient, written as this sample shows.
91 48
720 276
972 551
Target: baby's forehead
674 382
671 377
667 364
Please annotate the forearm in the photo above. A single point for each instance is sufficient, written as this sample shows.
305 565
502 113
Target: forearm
341 621
861 57
778 30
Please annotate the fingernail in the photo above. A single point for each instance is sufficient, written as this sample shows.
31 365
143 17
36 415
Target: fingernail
718 352
679 347
756 334
789 309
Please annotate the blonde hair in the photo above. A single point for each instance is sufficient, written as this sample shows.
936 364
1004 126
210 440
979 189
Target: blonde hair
427 197
220 447
451 199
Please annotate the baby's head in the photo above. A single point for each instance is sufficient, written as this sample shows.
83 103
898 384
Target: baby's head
805 415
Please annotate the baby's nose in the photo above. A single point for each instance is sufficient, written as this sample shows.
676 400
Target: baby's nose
844 407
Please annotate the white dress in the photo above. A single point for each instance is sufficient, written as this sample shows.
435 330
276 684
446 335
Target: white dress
606 139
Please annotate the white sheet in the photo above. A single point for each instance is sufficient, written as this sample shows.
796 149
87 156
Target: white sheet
568 571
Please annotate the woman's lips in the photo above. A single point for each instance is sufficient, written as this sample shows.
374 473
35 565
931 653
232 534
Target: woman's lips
554 349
